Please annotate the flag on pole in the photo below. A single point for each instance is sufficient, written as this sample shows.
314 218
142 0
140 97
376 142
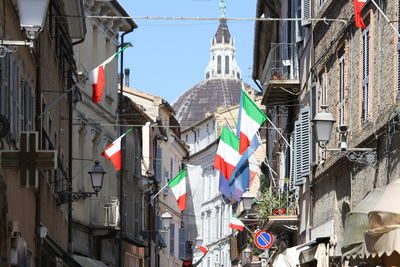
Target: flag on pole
358 5
251 117
178 187
203 249
96 77
113 152
236 224
227 153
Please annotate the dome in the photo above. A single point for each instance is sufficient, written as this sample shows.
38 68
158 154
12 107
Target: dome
206 96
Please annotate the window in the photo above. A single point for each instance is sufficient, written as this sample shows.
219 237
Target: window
341 90
172 239
365 106
226 64
219 64
171 167
182 244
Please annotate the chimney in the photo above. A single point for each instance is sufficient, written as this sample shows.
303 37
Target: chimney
127 71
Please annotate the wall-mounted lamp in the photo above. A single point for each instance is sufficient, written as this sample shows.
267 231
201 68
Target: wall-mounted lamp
32 15
166 218
96 178
323 124
248 199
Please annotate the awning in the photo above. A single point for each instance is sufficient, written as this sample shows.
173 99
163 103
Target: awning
289 257
89 262
317 253
382 240
356 223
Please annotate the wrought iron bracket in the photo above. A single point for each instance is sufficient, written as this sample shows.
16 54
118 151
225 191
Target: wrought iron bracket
366 156
67 197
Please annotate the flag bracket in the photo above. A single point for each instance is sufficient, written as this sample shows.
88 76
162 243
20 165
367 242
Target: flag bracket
68 197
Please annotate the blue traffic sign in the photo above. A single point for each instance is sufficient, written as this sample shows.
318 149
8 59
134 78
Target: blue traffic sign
263 240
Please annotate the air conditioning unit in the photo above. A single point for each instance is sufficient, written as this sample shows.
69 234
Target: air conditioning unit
111 213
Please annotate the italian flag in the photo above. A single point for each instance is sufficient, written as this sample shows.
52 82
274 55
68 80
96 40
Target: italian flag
251 118
203 249
113 152
96 77
178 187
227 153
358 5
236 224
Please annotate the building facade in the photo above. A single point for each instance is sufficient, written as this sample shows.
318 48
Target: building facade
32 80
352 73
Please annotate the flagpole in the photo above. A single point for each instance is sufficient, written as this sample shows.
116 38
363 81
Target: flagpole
153 197
387 19
273 125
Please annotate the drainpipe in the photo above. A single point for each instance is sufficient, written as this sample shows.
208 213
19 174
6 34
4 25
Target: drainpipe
120 174
38 128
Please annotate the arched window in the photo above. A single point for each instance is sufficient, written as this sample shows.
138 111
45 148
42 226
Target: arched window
219 64
226 64
207 75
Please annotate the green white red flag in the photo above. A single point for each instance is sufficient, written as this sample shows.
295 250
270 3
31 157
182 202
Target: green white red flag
178 187
113 152
227 155
96 77
358 5
251 117
237 224
203 249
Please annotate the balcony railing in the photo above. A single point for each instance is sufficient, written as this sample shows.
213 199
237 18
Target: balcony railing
107 212
278 202
282 63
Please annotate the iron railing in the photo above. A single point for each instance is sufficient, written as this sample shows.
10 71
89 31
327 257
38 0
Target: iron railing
282 63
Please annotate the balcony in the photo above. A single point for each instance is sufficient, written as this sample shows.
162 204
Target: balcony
106 213
281 74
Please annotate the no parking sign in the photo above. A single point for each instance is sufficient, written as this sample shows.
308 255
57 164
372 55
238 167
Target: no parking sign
263 240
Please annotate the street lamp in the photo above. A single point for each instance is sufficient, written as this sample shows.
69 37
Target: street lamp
166 218
96 178
32 16
247 199
323 123
247 253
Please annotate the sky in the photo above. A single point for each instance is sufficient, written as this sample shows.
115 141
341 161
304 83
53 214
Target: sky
169 57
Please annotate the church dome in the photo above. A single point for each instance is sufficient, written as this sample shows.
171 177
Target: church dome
222 84
207 96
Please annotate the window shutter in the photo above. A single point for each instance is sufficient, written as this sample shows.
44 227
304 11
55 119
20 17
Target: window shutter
292 161
305 12
305 144
398 51
182 244
158 164
365 76
341 91
297 152
314 109
298 28
172 239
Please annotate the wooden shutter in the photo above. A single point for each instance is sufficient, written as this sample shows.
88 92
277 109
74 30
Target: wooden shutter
305 143
298 24
292 162
297 151
305 12
398 50
182 244
314 110
341 91
158 164
172 239
365 76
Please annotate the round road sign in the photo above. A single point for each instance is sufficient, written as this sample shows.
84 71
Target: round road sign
263 240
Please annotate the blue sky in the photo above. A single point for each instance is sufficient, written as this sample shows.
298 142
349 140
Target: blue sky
169 57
